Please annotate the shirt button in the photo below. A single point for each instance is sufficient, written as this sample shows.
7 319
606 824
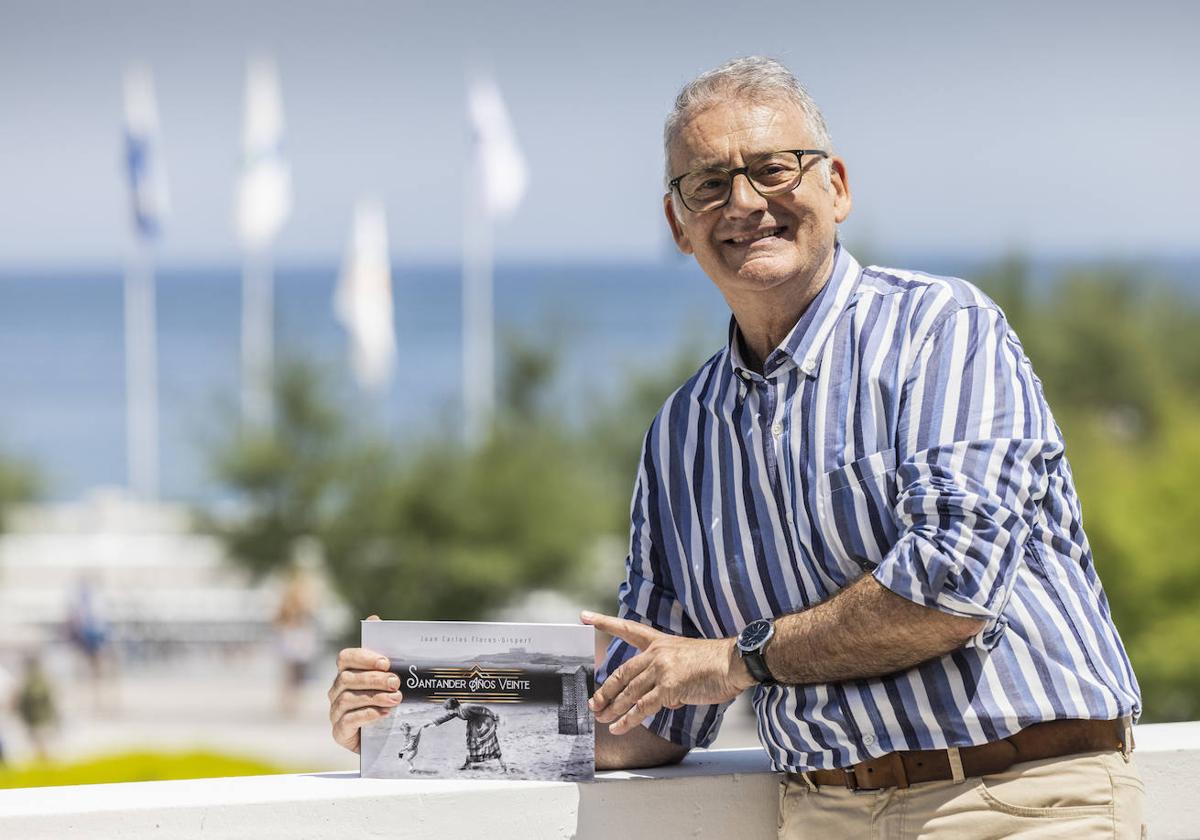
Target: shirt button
745 374
809 365
791 519
777 428
868 739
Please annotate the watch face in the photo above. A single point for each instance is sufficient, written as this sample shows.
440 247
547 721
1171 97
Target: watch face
755 634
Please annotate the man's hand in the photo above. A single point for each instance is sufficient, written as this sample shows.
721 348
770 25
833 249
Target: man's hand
363 691
671 671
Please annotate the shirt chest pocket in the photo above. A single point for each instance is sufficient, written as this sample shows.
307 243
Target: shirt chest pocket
856 509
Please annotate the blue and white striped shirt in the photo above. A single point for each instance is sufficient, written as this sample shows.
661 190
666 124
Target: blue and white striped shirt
898 431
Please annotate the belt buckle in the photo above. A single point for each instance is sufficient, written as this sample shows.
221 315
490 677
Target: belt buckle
851 779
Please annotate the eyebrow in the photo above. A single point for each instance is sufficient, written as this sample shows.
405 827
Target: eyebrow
711 164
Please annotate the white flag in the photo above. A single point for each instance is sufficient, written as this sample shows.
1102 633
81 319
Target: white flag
264 192
362 301
143 153
505 175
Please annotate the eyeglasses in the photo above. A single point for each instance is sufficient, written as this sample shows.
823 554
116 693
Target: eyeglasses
774 173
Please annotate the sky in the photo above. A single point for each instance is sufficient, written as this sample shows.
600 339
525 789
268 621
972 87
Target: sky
1052 128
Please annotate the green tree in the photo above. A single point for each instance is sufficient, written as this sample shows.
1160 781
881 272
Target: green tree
443 530
284 480
436 530
1140 509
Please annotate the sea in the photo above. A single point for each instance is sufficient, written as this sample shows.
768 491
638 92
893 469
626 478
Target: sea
62 354
62 362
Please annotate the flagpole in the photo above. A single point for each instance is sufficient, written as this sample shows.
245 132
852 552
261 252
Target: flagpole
478 323
149 200
262 204
258 339
495 187
141 374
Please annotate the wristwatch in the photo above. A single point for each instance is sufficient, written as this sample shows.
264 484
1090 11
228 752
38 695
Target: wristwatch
751 644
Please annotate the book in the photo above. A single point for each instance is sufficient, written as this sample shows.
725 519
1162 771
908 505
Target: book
484 700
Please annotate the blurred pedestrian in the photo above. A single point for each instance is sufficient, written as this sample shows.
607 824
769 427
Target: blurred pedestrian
7 684
88 630
298 639
35 706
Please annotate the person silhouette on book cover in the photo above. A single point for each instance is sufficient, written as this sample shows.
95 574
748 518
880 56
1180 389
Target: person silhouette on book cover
482 722
411 742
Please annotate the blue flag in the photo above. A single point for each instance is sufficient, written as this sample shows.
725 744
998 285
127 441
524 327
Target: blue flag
143 156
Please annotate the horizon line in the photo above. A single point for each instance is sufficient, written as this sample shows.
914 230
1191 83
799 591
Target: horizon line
1157 256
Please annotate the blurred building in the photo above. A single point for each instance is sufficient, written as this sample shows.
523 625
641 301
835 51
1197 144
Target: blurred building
164 590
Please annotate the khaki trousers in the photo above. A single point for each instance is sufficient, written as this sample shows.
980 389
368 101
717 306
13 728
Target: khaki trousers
1089 795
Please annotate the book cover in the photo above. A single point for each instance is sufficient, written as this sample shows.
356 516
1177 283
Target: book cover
484 701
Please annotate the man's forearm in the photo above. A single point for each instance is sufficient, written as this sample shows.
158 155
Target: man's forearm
637 748
863 631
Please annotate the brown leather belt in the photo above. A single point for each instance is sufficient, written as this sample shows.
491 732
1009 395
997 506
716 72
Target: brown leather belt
1038 741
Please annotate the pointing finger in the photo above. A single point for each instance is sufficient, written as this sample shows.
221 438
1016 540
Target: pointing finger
638 635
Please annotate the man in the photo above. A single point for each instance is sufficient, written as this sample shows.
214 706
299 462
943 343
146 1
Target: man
860 510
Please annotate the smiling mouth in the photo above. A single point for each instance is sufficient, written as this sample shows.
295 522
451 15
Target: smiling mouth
757 235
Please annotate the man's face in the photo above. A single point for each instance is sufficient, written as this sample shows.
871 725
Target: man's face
799 226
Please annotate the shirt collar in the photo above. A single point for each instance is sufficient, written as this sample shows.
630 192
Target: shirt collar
802 346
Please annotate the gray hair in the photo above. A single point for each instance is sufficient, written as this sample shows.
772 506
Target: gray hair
752 79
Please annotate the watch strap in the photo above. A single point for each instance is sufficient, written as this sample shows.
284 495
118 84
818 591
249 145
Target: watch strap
757 666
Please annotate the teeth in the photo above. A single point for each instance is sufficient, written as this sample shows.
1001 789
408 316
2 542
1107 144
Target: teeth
754 237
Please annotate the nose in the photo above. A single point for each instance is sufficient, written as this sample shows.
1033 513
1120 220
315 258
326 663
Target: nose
743 198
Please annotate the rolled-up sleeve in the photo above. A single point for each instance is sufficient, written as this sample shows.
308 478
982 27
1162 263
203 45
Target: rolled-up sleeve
648 597
975 445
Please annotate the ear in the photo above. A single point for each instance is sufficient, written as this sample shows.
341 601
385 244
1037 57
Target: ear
677 232
839 182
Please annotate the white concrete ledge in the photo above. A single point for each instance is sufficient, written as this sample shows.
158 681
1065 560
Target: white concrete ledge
713 794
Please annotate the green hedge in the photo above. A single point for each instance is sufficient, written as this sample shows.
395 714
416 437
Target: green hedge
135 767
